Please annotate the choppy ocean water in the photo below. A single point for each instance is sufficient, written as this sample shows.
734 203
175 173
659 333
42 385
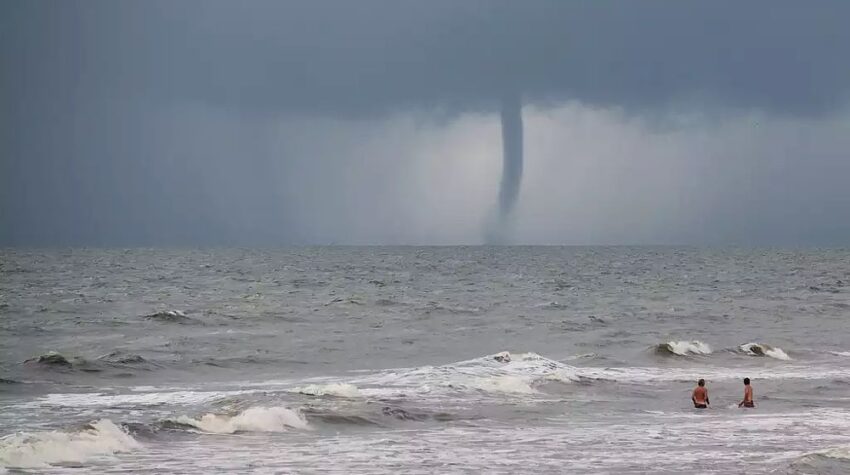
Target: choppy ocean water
424 360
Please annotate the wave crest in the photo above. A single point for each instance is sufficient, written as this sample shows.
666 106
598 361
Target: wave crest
121 358
761 349
502 373
42 449
683 348
835 460
170 316
254 419
510 374
50 359
837 452
504 384
332 389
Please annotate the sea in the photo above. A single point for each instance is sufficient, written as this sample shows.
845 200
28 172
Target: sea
421 360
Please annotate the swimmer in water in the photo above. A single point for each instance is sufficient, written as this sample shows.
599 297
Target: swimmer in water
700 395
748 395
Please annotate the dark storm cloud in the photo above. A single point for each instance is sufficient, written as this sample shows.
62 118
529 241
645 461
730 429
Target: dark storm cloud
85 84
360 56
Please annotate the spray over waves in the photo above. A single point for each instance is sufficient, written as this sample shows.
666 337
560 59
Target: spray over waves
683 348
41 449
254 419
761 349
333 389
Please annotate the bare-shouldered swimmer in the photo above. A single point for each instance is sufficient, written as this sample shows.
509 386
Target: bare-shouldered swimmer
748 395
700 395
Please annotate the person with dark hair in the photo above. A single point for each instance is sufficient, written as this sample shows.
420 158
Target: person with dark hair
700 395
748 395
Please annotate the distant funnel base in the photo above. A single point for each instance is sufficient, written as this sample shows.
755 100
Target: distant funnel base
498 229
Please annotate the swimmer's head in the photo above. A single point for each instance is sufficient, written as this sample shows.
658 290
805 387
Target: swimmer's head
701 382
746 381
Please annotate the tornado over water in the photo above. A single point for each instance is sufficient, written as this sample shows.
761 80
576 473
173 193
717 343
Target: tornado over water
511 155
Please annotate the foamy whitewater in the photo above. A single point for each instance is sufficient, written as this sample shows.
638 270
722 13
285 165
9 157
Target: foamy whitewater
758 349
41 449
255 419
424 360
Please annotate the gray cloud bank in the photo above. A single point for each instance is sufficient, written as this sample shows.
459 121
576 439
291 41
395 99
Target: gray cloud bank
213 122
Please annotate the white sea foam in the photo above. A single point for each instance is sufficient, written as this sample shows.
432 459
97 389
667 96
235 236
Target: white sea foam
254 419
604 443
661 374
778 354
501 373
331 389
504 384
41 449
841 454
563 376
841 353
837 452
684 348
131 399
760 349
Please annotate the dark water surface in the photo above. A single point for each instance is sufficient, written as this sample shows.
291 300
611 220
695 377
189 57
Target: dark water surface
387 360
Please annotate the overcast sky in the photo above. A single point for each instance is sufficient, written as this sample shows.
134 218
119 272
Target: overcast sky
128 123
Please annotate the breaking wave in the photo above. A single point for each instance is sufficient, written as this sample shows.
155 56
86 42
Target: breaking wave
683 348
332 389
760 349
254 419
123 359
832 461
837 452
501 373
504 384
171 316
504 373
116 360
42 449
51 359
